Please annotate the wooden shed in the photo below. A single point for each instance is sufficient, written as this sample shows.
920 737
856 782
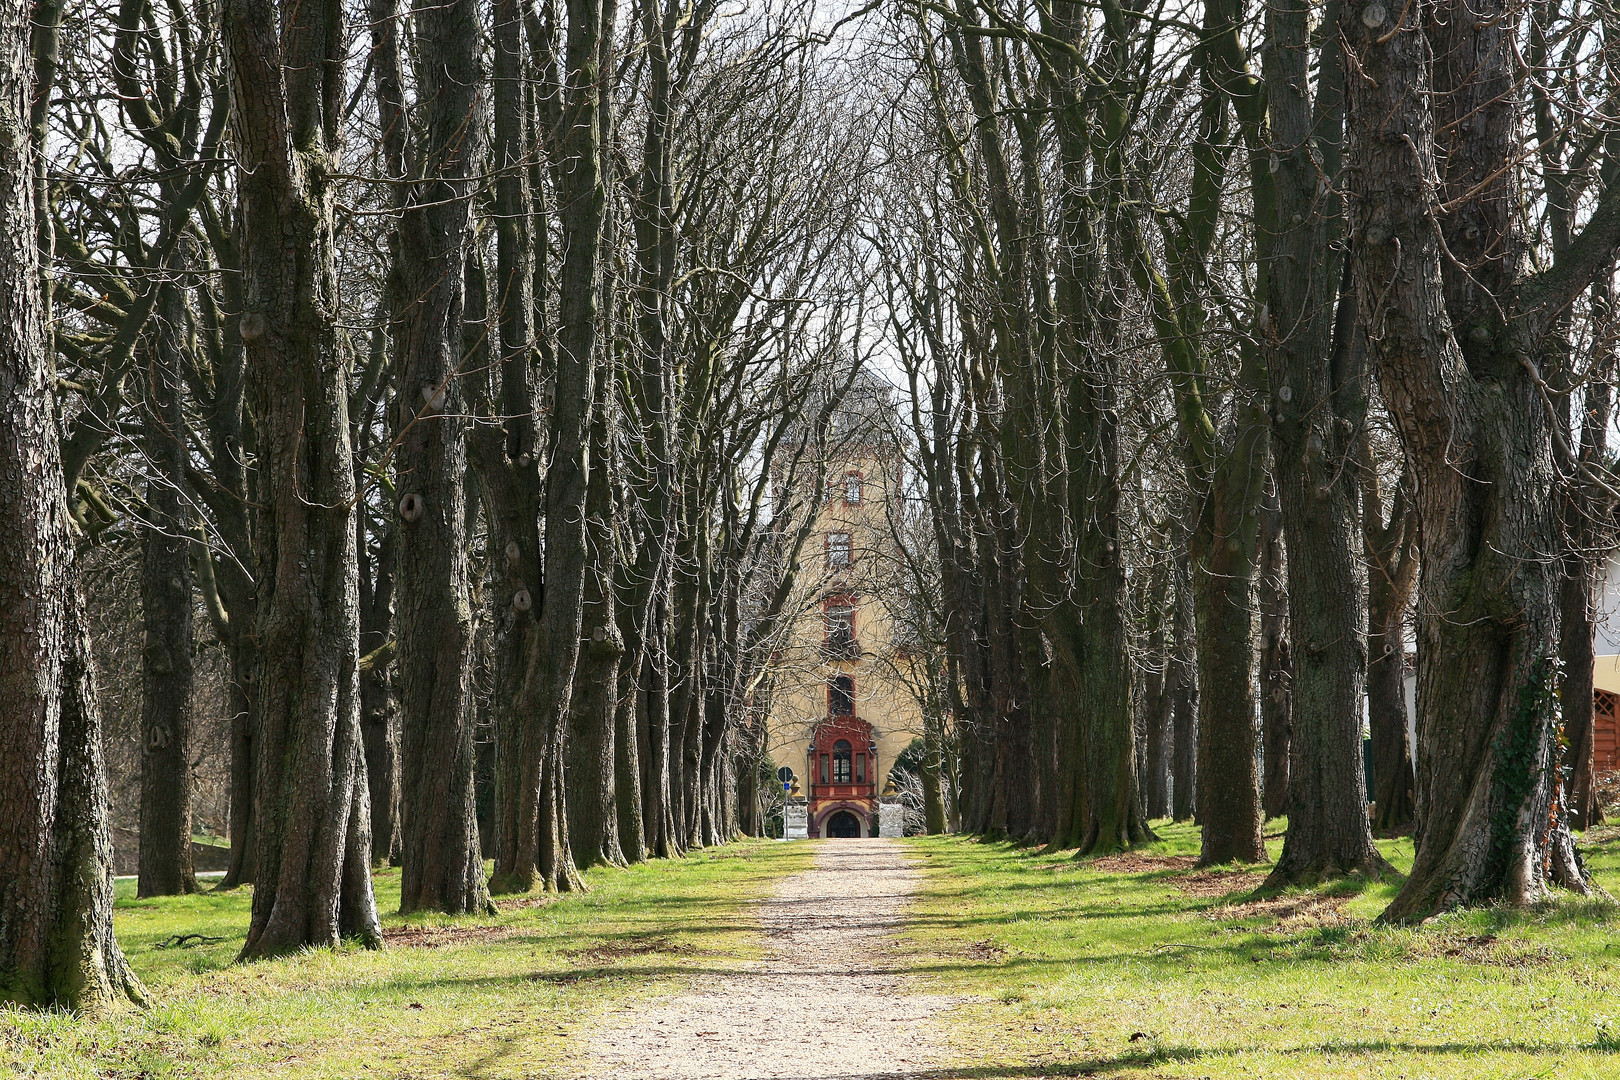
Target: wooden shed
1606 713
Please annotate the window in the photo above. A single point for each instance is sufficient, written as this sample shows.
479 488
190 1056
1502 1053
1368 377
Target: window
860 768
841 696
840 626
852 488
824 778
840 762
838 550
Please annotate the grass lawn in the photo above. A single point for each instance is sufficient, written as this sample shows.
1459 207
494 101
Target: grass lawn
1126 966
1136 966
466 998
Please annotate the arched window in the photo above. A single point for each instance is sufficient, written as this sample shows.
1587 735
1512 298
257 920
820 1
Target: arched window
842 753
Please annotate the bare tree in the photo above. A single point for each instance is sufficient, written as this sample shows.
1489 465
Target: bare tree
56 945
311 803
442 864
1460 327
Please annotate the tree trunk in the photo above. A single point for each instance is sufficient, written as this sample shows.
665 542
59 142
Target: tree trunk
1157 697
627 762
1391 552
507 452
652 212
311 804
1276 695
56 927
1228 775
686 695
166 660
1316 404
1225 475
1386 719
593 814
1010 803
713 818
540 846
244 838
1182 690
1454 323
1052 720
442 866
380 738
226 584
379 722
1587 510
1091 625
1575 652
933 770
653 730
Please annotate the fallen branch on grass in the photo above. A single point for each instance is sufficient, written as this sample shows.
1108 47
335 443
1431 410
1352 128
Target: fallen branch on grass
188 941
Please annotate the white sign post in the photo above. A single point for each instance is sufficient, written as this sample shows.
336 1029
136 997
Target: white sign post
795 816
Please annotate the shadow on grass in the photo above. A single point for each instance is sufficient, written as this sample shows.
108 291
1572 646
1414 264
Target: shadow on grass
1563 910
1103 911
1105 1065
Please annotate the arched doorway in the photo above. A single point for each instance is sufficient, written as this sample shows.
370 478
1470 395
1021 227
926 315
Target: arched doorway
843 826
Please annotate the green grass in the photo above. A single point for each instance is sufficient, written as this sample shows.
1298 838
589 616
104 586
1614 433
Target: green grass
1063 967
1073 968
489 998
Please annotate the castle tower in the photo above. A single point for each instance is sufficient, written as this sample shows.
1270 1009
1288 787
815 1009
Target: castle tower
841 713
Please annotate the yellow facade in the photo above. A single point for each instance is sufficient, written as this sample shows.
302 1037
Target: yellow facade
863 494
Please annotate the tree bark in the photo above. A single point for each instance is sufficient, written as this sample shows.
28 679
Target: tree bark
311 804
1454 323
1112 812
652 212
166 661
507 453
1586 510
442 866
1182 690
56 928
627 756
379 721
540 846
933 773
1391 551
1158 696
1316 404
1276 694
689 627
1226 474
593 814
226 583
1228 775
379 716
243 836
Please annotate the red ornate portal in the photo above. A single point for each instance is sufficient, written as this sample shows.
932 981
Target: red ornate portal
843 769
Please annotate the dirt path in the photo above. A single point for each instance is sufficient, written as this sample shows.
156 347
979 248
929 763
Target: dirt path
825 1004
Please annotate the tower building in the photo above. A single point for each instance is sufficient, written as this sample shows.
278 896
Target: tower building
842 712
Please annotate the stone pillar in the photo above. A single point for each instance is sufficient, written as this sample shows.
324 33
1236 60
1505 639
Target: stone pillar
796 818
891 817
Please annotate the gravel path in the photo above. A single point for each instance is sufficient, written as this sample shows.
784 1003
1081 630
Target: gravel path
825 1004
